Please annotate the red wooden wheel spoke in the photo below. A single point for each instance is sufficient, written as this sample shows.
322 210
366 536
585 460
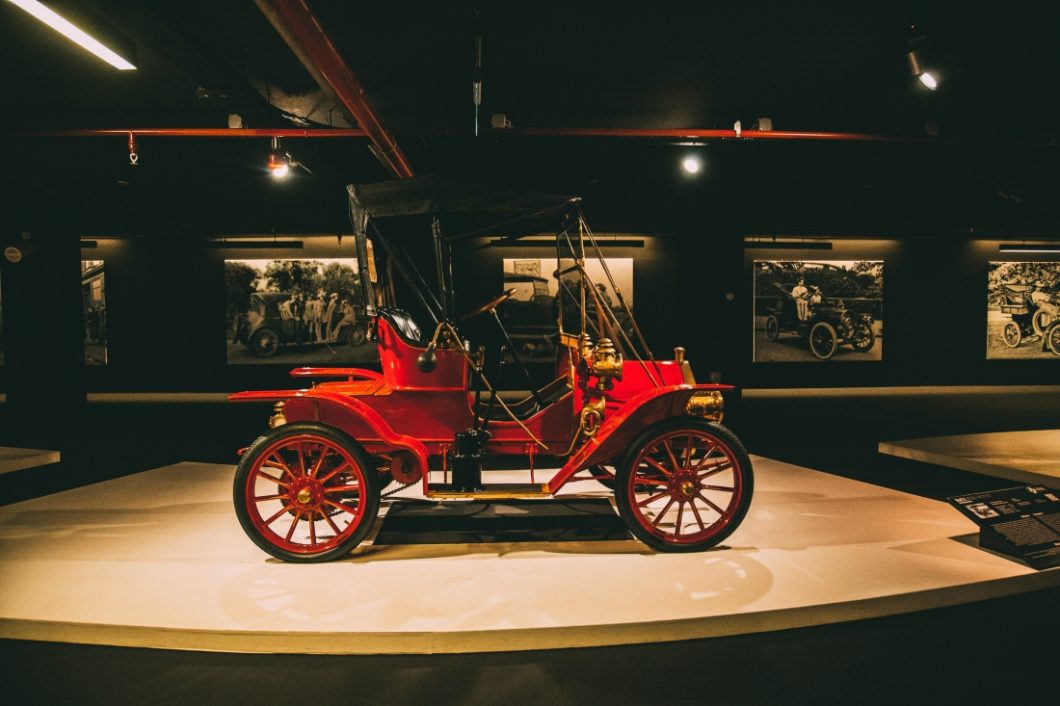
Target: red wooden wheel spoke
332 523
272 479
699 519
653 498
275 517
263 498
294 523
725 465
723 488
658 518
688 451
313 527
677 525
708 501
343 489
280 464
324 451
670 452
710 450
651 481
341 467
652 462
344 508
299 450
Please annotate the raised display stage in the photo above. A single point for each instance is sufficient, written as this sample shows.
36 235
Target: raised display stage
14 459
158 559
1026 457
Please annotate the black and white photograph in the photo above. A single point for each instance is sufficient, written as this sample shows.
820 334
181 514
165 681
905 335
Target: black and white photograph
94 311
818 311
1022 306
531 314
303 312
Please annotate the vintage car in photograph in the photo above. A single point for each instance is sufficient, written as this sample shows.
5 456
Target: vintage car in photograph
310 487
1028 321
828 325
264 330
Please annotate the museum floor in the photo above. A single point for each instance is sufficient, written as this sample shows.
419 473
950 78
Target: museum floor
817 529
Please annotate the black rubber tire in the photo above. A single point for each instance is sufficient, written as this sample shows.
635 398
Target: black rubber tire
1052 337
772 328
626 478
370 496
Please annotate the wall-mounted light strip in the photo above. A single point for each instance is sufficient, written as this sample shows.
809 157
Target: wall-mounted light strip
72 32
551 243
255 244
1053 249
770 243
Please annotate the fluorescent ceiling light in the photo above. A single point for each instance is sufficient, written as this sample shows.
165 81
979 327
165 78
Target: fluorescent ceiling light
73 33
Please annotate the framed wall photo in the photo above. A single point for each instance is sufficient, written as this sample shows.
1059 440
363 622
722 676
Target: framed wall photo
301 312
1022 304
818 311
531 314
94 311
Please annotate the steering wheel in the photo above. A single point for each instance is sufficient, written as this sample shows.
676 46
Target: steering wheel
491 304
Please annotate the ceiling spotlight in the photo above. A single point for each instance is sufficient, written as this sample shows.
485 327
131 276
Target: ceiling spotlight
691 164
279 161
74 33
928 79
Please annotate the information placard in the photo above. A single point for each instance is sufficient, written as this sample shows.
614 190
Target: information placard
1023 521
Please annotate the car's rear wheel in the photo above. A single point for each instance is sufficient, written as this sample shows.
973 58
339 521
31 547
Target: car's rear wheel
823 340
358 335
306 492
684 485
265 343
1011 334
772 328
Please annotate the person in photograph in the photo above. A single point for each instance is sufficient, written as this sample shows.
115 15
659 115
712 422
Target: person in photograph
313 311
1044 301
329 316
801 296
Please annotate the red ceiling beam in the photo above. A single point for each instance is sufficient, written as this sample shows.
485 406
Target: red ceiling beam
302 31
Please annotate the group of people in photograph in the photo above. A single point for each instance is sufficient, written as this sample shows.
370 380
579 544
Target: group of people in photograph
319 318
805 298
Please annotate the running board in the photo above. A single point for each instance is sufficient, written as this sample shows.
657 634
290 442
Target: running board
495 491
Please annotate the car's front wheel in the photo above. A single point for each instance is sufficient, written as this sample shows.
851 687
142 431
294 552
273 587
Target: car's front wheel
265 343
306 492
863 339
358 335
823 340
1011 334
1052 338
684 485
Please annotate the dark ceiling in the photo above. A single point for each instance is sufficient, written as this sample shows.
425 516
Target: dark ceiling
980 153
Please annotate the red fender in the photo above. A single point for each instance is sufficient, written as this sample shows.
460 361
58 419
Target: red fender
619 430
351 406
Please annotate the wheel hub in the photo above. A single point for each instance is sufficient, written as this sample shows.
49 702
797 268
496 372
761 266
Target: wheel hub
306 494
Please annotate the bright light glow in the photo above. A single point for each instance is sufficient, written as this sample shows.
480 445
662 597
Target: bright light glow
279 171
73 33
928 79
691 165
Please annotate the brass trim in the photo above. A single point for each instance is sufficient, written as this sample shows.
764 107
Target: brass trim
709 405
277 419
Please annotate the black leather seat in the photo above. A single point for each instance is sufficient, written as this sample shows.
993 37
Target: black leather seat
406 328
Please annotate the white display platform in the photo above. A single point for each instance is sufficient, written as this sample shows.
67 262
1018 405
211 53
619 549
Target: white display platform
158 559
13 459
1027 457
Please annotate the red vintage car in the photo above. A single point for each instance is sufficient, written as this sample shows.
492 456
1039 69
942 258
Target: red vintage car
310 488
